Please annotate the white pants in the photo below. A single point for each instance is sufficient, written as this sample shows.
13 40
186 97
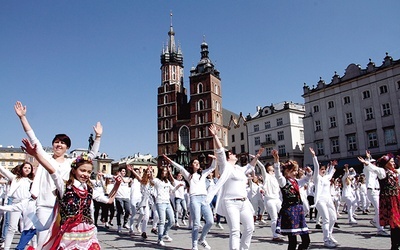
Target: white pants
12 227
239 212
351 203
326 209
45 216
373 196
273 207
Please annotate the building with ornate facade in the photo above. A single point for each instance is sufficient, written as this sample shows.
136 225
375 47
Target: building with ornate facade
353 113
278 126
182 124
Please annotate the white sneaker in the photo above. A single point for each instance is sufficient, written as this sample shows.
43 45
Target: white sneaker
382 233
161 243
184 222
262 222
312 220
329 244
138 228
333 240
166 238
177 224
219 226
204 244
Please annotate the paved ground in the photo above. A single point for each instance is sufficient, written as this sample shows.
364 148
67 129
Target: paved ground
360 236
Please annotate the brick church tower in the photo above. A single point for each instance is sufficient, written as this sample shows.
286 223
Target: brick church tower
183 125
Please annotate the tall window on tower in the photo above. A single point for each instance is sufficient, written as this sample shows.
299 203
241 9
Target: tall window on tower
200 105
184 138
199 88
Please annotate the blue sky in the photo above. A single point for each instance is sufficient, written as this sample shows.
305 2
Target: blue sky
74 63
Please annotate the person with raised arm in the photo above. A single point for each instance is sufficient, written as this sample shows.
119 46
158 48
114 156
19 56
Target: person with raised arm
272 197
43 186
198 193
291 219
323 199
76 229
389 196
232 199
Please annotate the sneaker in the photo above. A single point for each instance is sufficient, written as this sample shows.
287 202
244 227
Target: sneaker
333 240
318 226
195 248
184 222
278 239
154 231
109 223
382 233
106 226
336 225
119 230
138 228
312 220
204 244
219 226
166 238
144 235
126 226
161 243
177 224
263 222
352 222
329 244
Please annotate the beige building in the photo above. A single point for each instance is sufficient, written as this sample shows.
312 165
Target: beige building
353 113
10 157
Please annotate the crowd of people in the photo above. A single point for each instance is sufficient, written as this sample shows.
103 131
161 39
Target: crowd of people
61 204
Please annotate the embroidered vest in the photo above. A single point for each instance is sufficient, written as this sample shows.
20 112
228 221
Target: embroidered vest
76 202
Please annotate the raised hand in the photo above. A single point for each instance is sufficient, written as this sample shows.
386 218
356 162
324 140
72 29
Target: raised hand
98 129
20 110
28 147
312 151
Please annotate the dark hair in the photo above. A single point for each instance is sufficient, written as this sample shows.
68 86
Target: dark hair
199 171
62 137
164 178
18 171
120 169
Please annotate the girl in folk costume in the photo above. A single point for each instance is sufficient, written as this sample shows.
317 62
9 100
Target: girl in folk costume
292 221
76 229
389 196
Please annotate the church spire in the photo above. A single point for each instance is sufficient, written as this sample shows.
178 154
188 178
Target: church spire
171 53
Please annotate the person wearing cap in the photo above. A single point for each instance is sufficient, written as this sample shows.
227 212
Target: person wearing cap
389 196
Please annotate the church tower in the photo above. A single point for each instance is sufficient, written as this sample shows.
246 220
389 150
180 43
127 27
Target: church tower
205 105
182 125
172 107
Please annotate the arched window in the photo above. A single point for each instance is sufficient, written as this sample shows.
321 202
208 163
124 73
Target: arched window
200 105
167 137
199 88
201 119
166 124
165 99
184 137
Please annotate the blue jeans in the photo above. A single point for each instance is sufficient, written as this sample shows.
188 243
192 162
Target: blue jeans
164 211
198 208
182 203
26 236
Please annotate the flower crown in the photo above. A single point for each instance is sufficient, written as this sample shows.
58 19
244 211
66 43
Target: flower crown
84 157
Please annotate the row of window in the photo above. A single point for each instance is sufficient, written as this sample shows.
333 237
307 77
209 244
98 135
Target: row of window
279 122
280 136
346 100
368 115
268 150
200 88
351 141
241 138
